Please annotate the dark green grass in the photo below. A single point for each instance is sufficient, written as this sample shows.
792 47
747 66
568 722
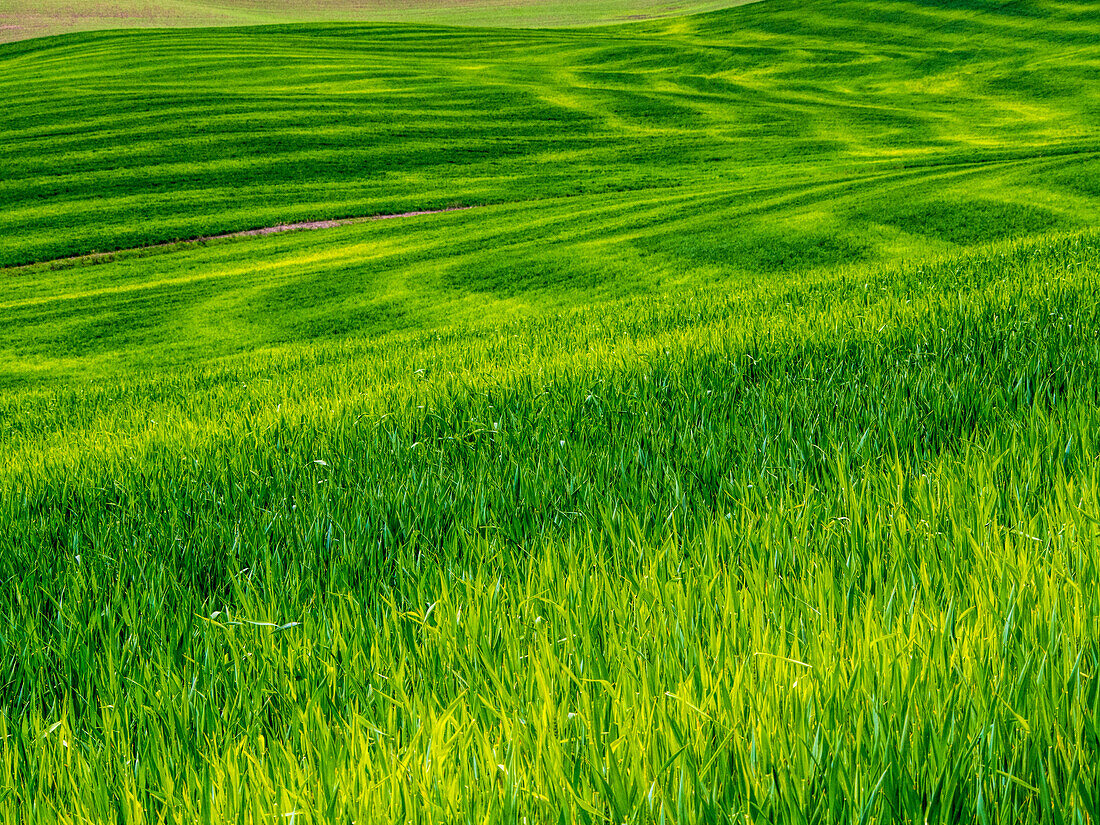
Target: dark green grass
259 126
966 222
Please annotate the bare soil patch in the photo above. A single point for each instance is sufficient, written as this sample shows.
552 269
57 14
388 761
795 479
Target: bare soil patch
95 257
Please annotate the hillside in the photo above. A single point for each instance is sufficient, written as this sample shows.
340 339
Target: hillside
762 139
731 455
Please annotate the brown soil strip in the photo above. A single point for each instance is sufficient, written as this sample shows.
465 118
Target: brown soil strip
295 227
96 257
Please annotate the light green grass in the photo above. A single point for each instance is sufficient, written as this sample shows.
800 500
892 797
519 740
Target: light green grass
737 460
819 548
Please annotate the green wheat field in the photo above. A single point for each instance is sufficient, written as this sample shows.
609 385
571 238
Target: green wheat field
728 451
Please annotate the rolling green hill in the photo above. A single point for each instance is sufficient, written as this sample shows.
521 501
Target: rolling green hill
757 140
733 457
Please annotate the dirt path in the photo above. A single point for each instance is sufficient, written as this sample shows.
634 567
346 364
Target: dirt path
295 227
244 233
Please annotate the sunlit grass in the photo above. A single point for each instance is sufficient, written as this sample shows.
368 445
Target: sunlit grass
821 548
736 460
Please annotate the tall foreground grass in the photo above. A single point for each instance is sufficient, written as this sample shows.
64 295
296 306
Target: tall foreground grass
826 549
